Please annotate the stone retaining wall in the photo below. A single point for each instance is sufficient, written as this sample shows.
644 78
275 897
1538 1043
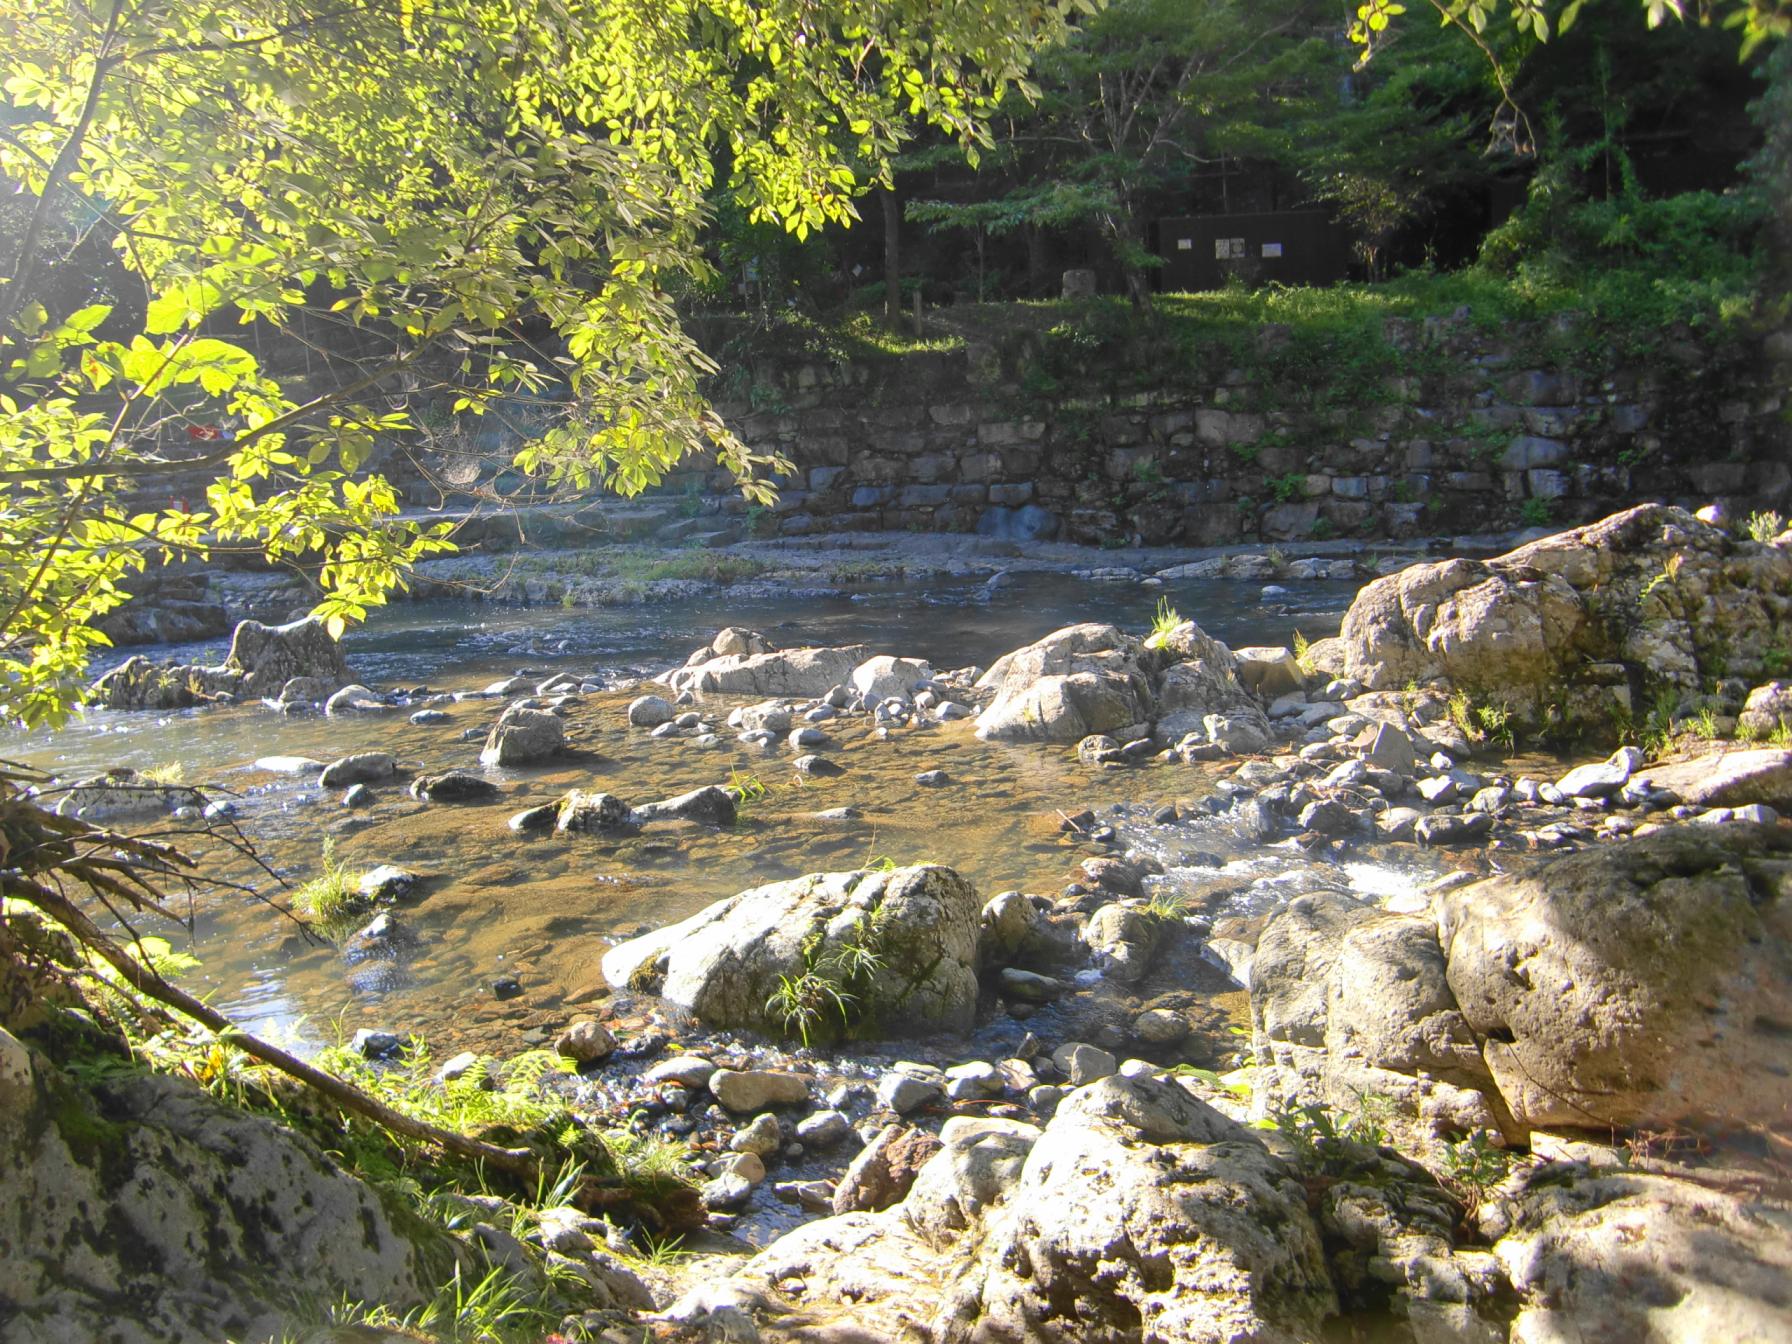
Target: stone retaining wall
976 440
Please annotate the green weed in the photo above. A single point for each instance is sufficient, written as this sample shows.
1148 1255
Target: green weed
1473 1167
1303 655
1670 574
1163 624
1319 1135
1169 907
1538 512
1287 488
1656 736
803 1003
1764 527
333 896
746 788
1482 723
832 985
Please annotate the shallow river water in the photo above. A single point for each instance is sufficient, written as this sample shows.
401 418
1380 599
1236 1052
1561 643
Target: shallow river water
544 909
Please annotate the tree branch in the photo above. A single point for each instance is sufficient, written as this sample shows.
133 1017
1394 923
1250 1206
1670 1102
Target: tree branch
60 169
162 467
515 1161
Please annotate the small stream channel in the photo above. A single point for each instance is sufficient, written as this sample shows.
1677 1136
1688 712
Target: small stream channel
544 909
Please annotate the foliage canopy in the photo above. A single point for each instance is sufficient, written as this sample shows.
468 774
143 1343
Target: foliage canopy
492 197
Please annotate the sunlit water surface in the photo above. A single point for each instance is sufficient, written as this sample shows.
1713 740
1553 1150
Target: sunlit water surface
545 909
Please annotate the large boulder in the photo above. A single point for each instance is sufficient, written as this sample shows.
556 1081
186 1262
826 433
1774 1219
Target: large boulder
121 794
144 1211
882 677
1650 598
271 655
1727 778
1092 679
1140 1213
894 951
262 659
799 672
1062 708
711 805
1349 1001
140 683
1628 1255
1647 984
1195 677
1269 672
523 737
1077 681
1768 710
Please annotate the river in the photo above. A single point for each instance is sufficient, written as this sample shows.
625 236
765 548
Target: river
492 903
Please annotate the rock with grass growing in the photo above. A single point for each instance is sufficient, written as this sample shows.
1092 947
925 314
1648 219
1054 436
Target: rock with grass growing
1651 597
891 951
189 1219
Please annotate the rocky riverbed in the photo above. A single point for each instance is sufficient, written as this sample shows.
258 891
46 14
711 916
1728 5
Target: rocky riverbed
1292 994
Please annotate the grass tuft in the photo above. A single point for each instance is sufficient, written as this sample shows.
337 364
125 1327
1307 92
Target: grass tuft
334 895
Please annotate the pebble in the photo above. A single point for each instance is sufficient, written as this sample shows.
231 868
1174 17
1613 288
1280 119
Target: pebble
457 1067
1044 1098
764 1136
933 779
902 1092
542 818
969 1082
823 1129
812 1196
388 882
1160 1026
743 1162
375 1044
1439 789
585 1041
1082 1063
729 1191
746 1090
691 1071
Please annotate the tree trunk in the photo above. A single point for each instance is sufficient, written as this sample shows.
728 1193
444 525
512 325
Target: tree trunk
892 258
1115 232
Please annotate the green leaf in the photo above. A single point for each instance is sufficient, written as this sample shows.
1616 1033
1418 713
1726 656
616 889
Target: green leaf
169 313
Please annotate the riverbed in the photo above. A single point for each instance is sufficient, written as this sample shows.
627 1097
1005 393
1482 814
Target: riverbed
493 904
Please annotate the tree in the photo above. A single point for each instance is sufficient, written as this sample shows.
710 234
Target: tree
481 196
1490 24
490 197
1126 117
1385 147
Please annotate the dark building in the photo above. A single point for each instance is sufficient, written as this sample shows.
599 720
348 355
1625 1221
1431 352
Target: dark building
1296 247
